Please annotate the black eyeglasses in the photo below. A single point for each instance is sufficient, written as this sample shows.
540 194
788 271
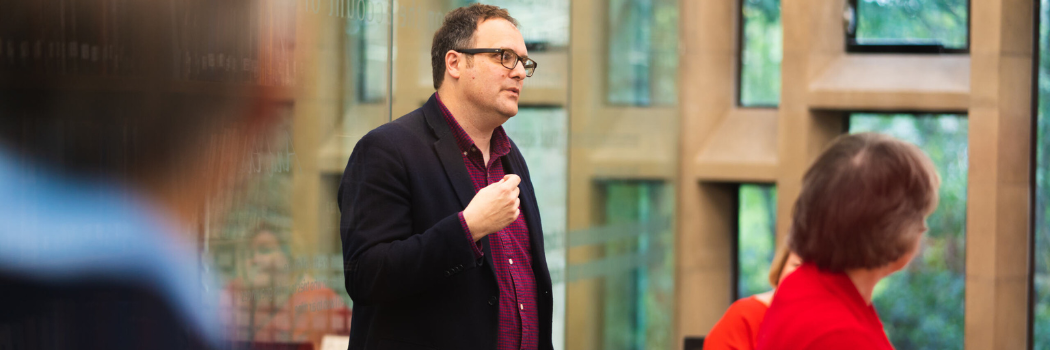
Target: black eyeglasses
508 58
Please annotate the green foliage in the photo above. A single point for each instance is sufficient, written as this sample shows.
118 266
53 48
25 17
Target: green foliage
940 21
642 59
922 307
757 238
762 53
638 300
1042 194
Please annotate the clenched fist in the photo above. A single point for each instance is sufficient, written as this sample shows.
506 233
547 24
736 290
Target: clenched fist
493 207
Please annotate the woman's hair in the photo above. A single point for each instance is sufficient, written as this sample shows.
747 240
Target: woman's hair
779 260
859 200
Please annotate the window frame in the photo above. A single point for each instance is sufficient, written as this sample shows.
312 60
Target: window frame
901 47
1033 184
735 240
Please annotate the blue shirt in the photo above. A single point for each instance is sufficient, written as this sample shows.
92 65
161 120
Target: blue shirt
58 229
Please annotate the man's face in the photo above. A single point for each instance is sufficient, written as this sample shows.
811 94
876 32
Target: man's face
490 86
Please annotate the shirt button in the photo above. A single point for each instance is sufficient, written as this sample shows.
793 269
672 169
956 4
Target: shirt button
464 153
522 306
511 261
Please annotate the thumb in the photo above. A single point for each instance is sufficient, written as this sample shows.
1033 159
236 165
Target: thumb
512 180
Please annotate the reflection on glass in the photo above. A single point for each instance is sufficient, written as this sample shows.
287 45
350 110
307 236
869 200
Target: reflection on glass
942 22
638 269
922 307
642 55
761 53
757 238
371 40
272 293
1041 326
541 21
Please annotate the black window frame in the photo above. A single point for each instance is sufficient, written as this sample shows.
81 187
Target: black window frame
902 47
1033 185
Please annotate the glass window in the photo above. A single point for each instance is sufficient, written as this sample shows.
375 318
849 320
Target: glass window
756 239
1041 280
896 25
642 56
370 53
922 307
761 50
637 271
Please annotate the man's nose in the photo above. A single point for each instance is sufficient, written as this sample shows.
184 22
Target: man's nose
519 70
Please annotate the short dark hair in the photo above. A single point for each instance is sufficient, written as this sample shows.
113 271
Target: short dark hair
142 117
457 32
858 200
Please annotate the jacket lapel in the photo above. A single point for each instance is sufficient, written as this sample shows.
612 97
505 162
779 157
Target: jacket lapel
452 160
448 152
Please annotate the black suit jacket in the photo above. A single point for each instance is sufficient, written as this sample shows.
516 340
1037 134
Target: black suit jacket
409 266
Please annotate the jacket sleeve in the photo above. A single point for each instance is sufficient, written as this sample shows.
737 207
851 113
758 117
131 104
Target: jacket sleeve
383 259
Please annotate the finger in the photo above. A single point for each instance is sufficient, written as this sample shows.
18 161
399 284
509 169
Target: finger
517 203
512 180
517 213
515 192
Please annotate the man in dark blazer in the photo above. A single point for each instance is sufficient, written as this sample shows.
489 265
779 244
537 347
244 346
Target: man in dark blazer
442 242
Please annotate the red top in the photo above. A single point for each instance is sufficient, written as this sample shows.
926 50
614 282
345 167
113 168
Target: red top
815 309
738 328
510 247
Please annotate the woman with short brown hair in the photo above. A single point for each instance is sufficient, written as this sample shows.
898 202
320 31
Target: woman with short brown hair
859 218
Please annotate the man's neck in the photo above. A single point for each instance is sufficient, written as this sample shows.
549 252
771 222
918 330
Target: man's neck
473 122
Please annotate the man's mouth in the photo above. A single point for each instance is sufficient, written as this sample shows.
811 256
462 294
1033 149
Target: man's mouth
516 91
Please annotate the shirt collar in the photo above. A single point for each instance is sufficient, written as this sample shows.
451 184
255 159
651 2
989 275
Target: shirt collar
499 145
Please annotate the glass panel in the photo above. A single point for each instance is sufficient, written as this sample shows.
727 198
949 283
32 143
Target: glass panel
1041 326
542 136
922 307
757 238
277 248
642 52
368 44
942 22
761 53
638 270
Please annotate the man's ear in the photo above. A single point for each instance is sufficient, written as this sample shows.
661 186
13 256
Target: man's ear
453 63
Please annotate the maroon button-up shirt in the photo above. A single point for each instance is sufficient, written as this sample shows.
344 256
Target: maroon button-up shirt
510 247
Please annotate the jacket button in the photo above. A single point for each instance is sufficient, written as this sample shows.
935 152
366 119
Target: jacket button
492 300
447 273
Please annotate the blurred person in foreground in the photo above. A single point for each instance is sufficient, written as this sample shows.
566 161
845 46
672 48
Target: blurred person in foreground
738 327
106 163
440 227
860 217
